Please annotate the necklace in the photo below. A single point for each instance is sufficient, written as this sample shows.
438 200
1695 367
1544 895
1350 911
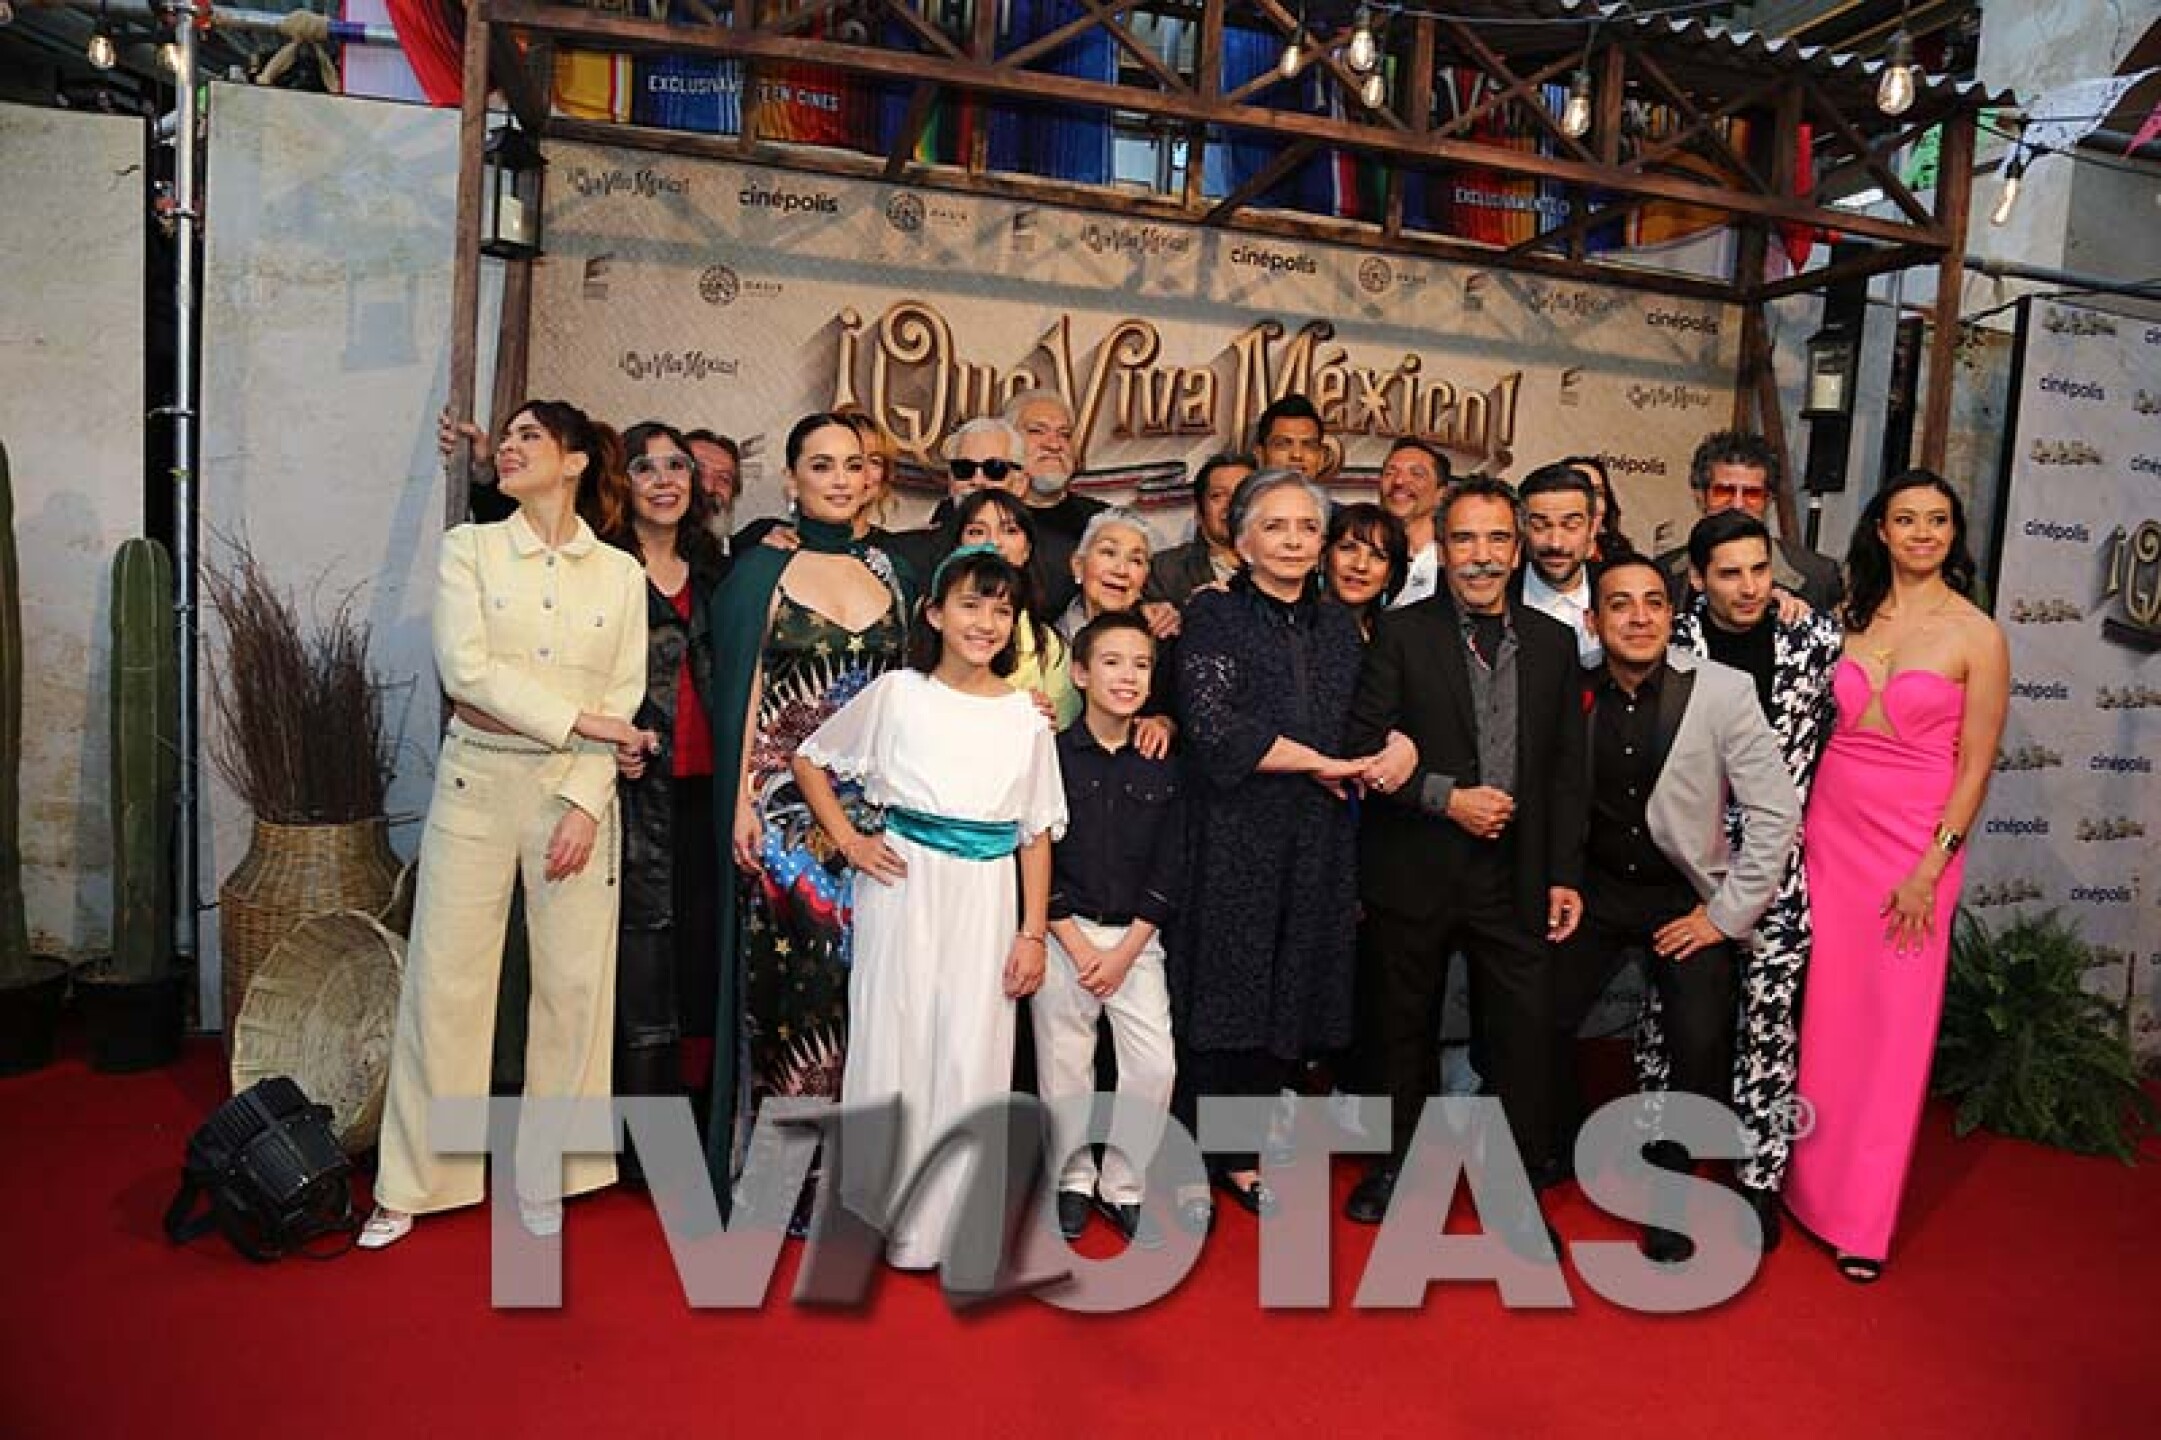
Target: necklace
1882 653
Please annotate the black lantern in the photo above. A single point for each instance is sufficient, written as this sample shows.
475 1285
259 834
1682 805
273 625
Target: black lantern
510 187
1833 353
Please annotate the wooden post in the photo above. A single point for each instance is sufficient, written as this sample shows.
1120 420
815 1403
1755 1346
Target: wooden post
1954 192
465 277
513 341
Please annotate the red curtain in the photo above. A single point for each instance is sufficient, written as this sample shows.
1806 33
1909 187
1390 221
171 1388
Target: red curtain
432 34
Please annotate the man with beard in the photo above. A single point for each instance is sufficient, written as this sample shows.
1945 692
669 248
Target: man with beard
1481 847
985 453
720 475
1045 423
1412 478
1733 619
1672 740
1558 505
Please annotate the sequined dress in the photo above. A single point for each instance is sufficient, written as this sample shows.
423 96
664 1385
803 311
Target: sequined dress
795 921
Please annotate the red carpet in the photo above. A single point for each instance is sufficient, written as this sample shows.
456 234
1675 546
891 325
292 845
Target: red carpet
2021 1303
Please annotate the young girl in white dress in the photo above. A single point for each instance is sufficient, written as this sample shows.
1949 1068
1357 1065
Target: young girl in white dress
966 770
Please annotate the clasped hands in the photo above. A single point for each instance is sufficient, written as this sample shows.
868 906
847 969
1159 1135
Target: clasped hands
1386 770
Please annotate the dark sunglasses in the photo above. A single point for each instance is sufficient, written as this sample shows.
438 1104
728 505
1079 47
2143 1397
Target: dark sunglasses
993 470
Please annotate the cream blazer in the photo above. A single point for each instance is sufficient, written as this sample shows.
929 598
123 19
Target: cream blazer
535 636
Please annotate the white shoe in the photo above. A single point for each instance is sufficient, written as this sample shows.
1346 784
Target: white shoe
542 1218
384 1228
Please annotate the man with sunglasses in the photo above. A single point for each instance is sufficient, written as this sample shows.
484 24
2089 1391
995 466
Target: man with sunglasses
1734 470
984 453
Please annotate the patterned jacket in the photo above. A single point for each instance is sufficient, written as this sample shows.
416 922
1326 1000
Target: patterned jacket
1802 708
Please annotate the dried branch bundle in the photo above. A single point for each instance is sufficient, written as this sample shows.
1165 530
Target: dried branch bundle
300 729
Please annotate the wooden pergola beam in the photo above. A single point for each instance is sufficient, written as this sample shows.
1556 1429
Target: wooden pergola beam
1954 192
1392 140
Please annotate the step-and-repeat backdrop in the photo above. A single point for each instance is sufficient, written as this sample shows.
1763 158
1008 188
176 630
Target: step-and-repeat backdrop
2074 814
738 298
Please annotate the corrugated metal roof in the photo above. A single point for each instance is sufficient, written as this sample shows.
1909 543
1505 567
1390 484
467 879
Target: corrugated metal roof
1702 53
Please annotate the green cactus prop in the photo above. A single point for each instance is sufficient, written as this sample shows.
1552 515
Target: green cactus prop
145 759
14 926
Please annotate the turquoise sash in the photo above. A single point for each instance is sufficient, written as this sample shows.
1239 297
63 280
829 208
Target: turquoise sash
968 839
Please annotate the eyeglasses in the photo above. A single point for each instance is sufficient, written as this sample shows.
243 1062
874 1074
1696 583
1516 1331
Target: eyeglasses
1728 491
647 467
993 470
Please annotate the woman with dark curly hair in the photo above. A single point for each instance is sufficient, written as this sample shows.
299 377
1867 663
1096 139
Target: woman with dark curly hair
1921 692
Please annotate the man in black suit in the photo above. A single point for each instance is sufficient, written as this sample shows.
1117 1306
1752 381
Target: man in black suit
1734 470
1481 848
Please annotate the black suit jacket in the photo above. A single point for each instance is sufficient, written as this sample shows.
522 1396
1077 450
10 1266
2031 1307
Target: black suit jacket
1416 679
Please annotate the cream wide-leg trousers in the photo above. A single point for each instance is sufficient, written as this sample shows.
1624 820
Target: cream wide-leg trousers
489 822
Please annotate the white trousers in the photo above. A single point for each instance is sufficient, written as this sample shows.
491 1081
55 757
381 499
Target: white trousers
1065 1041
492 814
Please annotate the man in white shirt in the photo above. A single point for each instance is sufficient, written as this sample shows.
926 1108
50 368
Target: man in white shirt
1558 534
1412 479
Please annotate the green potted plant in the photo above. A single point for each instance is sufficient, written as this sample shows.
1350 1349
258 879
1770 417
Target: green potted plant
2027 1051
134 1005
31 988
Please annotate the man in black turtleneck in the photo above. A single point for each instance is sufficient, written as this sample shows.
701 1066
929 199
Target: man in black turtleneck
1733 618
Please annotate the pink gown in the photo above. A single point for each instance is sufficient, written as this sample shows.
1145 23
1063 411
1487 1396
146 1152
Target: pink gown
1868 1018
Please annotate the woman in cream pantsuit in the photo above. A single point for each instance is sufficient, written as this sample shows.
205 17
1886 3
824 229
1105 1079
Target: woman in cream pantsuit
540 636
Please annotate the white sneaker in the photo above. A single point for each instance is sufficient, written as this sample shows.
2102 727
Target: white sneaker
542 1218
384 1228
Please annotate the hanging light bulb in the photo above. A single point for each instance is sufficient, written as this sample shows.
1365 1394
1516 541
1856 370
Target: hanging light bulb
101 52
7 11
1894 92
1362 52
1374 93
2014 171
1576 114
1288 65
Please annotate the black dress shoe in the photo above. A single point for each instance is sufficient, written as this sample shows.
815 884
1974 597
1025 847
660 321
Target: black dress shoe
1131 1221
1073 1207
1256 1199
1666 1247
1368 1202
1765 1204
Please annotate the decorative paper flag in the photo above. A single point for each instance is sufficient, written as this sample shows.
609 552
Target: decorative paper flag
2062 117
2148 131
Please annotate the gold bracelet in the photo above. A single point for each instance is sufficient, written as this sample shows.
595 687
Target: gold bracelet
1948 840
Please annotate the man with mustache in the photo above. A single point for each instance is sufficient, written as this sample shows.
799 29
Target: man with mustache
1673 741
1045 423
1412 478
1481 847
1558 505
1734 619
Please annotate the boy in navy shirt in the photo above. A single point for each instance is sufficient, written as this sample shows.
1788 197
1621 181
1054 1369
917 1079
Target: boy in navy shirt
1114 878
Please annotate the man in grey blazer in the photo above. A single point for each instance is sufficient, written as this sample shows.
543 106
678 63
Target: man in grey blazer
1672 741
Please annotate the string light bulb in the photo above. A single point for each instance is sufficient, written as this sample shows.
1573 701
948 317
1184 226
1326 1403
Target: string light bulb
101 52
1894 92
1287 65
1363 52
169 56
1373 94
1576 114
2014 171
7 12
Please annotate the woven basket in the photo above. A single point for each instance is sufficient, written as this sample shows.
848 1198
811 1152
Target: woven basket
322 1009
293 873
397 914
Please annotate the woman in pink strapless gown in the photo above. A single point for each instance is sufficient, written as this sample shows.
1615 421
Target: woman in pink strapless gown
1921 695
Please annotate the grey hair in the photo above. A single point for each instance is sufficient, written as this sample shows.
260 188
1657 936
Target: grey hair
1038 396
1114 515
1016 446
1262 482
